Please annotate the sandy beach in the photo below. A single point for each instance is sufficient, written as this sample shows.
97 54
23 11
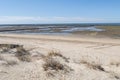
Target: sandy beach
87 58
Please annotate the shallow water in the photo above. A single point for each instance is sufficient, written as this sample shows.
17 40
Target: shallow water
47 29
92 30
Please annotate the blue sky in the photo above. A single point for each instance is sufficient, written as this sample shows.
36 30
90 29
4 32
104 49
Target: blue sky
59 11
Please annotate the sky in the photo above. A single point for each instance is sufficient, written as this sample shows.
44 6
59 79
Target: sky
59 11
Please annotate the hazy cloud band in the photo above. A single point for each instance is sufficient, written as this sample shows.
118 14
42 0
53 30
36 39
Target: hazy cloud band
31 20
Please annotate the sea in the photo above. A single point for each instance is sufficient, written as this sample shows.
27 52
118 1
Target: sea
53 29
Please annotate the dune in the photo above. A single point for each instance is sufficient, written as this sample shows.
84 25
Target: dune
47 57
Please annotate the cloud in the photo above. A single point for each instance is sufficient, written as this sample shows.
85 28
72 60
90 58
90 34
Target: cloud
31 20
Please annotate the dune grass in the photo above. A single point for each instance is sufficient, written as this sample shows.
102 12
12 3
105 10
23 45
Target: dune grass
92 65
53 63
7 47
23 55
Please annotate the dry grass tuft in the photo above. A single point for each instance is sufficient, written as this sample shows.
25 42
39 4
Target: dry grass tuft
23 54
115 63
20 52
92 65
115 75
54 67
96 67
55 53
52 64
8 47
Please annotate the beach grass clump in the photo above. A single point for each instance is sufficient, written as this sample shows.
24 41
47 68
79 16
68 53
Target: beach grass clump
55 54
54 62
20 53
53 67
96 67
92 65
8 47
23 55
116 63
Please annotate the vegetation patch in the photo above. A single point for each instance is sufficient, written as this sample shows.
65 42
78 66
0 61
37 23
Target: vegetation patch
55 53
23 54
92 65
55 63
8 47
117 64
52 64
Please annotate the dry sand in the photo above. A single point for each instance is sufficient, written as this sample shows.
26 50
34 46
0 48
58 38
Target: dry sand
89 58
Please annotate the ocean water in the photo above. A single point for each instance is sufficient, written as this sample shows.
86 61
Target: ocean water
92 30
48 29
